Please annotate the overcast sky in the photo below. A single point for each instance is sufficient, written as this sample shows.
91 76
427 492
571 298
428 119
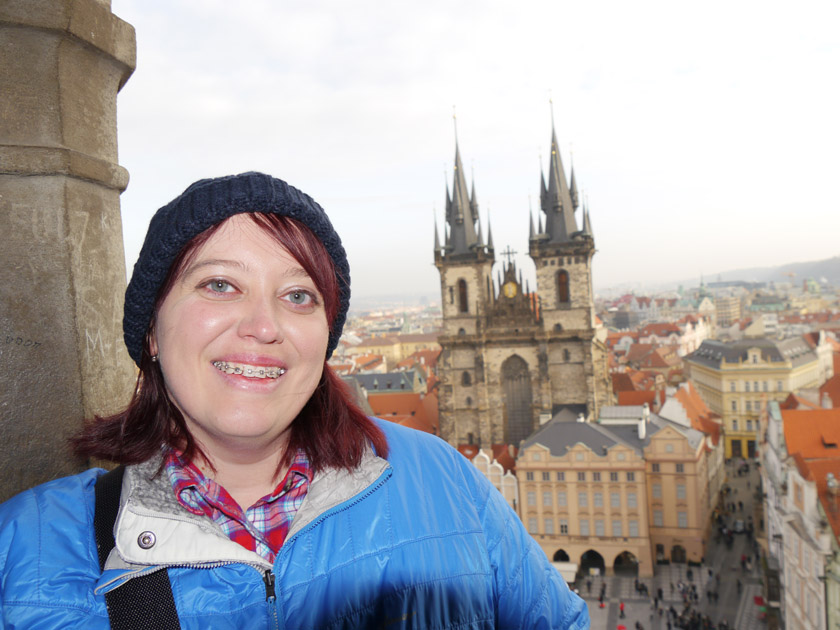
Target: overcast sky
705 136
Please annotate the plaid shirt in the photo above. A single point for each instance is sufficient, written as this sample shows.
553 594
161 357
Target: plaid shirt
263 526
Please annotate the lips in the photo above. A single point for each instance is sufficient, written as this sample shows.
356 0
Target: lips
249 371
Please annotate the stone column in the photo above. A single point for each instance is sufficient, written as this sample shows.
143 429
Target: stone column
62 270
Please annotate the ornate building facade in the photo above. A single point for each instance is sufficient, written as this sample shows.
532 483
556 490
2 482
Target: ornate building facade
512 358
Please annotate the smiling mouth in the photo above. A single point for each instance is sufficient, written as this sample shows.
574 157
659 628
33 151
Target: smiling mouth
249 371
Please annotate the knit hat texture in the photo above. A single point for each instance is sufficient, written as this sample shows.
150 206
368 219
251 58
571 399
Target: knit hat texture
204 204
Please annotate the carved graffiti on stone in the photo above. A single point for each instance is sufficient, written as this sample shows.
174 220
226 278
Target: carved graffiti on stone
12 339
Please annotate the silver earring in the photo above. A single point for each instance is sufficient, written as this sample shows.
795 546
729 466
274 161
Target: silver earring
154 358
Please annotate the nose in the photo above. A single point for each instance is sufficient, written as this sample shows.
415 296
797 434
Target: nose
260 320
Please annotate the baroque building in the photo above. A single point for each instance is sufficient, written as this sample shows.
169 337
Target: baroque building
617 494
512 358
736 380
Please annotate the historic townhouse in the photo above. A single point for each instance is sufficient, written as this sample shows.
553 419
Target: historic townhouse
616 494
736 379
801 488
687 408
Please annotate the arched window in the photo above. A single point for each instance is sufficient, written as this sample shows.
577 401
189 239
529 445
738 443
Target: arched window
562 287
466 381
462 296
517 399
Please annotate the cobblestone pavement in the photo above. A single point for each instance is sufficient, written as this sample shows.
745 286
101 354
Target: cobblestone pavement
736 606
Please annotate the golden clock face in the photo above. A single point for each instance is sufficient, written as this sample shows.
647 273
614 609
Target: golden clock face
510 289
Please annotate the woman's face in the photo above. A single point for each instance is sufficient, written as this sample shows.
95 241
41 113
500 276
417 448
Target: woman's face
241 339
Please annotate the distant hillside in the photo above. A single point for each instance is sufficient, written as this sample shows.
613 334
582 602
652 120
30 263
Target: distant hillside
818 269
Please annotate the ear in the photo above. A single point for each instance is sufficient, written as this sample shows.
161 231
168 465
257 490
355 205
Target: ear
151 341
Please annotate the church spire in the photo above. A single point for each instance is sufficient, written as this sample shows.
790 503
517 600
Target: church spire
573 192
587 223
461 212
556 199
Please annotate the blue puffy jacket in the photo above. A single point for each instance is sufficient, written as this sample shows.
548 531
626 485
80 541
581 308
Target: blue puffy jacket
421 540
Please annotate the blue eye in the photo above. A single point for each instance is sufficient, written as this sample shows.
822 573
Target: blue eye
218 285
299 297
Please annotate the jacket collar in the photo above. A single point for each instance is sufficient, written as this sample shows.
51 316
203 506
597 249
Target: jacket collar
150 513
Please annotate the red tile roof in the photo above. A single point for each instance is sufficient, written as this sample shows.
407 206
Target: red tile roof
368 361
639 351
501 453
702 418
813 438
832 388
417 411
468 450
812 339
425 360
797 402
622 382
663 329
810 432
633 399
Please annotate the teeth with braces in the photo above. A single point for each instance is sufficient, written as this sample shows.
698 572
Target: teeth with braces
249 370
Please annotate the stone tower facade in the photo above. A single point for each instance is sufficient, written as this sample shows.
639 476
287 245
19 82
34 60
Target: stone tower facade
511 357
62 280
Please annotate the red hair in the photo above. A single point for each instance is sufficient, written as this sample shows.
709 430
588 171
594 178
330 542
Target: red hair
331 428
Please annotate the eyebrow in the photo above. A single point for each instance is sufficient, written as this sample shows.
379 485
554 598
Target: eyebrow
292 272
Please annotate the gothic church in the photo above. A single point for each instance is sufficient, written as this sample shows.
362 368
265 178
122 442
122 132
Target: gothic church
512 358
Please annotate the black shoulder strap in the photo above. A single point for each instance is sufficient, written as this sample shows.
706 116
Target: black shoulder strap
142 602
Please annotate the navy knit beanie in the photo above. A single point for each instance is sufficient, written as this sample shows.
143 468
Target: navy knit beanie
201 206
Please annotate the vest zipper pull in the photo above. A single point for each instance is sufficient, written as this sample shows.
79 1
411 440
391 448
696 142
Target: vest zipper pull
268 578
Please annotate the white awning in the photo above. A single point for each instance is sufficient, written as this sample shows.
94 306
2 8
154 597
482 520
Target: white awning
567 569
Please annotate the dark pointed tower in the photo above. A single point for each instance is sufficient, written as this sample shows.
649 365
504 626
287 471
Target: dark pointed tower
562 253
556 199
461 213
465 264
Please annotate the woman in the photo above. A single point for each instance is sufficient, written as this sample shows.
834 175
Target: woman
255 493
